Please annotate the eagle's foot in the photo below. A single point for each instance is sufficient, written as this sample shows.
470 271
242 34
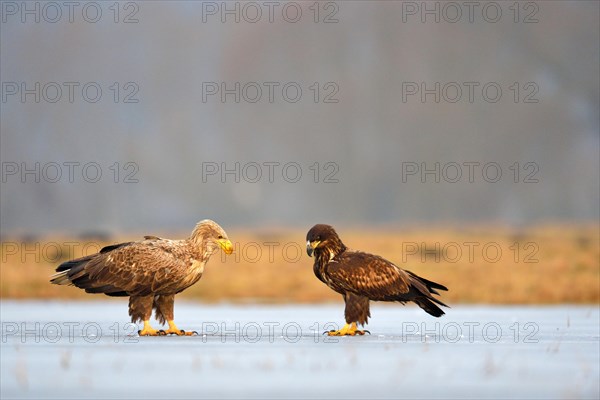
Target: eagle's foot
149 331
179 332
347 330
340 333
174 330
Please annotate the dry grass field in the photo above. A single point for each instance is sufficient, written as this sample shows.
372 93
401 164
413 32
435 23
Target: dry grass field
545 264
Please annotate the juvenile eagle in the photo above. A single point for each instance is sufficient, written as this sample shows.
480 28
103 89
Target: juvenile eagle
151 272
360 277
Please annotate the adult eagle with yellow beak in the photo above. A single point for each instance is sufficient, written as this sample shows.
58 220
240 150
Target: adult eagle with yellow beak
151 272
361 277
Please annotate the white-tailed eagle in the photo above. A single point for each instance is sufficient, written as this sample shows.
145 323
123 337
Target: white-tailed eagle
361 277
151 272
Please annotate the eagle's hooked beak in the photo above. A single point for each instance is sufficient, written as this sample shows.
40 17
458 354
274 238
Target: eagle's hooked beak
226 245
310 247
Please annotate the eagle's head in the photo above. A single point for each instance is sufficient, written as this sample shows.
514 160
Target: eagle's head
210 236
323 239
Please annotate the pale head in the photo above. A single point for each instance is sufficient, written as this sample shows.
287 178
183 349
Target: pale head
211 236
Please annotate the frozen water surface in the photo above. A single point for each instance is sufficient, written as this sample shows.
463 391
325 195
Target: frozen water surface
87 350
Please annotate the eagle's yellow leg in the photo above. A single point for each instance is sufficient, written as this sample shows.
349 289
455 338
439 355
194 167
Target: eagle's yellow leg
347 330
174 329
148 330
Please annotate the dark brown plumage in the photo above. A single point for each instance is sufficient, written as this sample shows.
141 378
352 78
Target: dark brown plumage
360 277
151 272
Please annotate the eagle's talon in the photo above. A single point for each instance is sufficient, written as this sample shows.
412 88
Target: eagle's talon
147 330
148 333
347 330
162 333
174 330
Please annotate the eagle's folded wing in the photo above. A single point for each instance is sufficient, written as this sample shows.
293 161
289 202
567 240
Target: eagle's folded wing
368 275
139 268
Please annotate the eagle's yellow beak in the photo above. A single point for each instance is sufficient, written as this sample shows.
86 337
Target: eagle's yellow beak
310 247
226 245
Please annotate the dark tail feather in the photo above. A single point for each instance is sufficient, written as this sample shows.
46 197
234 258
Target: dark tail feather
422 290
73 273
67 265
431 286
66 271
429 307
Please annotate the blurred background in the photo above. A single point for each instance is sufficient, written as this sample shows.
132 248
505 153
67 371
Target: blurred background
403 124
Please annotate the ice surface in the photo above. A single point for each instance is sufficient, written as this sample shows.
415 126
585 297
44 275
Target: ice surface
88 350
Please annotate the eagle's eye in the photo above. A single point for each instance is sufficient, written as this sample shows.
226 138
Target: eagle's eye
220 237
